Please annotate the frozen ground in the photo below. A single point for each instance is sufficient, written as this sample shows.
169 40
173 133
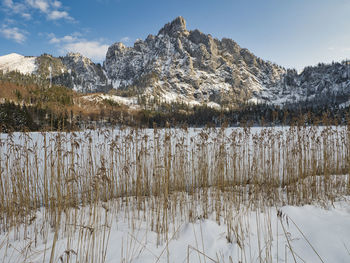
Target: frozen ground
128 229
304 234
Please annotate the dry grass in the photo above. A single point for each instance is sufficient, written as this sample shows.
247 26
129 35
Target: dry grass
165 178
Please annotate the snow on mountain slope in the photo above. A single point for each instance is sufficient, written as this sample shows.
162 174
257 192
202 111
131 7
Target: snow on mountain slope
87 76
128 101
190 64
72 71
324 84
16 62
178 64
133 102
181 65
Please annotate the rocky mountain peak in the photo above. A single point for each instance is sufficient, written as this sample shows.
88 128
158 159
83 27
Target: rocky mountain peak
74 55
190 65
176 27
115 50
84 75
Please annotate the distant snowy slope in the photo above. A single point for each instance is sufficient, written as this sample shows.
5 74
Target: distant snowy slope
16 62
324 84
73 71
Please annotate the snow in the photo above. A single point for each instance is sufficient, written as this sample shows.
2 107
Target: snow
328 230
264 234
344 105
129 101
214 105
313 232
171 97
16 62
186 66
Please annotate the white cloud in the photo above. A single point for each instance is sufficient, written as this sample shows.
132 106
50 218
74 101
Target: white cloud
54 40
55 15
94 50
16 8
57 4
52 9
66 39
13 33
42 5
74 42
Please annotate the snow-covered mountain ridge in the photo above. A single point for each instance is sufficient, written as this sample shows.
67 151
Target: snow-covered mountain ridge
16 62
73 70
185 65
190 64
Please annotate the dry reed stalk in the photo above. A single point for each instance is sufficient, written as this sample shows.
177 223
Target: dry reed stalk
166 177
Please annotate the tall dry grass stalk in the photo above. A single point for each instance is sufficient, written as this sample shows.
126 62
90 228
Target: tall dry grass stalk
164 177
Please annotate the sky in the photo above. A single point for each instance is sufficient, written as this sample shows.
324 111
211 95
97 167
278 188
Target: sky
291 33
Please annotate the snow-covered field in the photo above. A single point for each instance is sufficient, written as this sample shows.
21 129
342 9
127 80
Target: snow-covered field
316 234
176 195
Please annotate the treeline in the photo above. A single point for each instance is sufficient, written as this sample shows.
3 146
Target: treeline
254 115
33 104
14 117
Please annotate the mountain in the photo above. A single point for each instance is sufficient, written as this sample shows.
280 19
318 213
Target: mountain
324 84
189 66
178 64
86 75
16 62
73 70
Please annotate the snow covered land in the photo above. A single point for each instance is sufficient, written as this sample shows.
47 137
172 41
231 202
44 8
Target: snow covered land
316 234
176 195
16 62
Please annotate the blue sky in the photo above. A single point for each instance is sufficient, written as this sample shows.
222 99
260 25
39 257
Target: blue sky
292 33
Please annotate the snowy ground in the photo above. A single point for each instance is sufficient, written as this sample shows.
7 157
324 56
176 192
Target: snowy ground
118 231
304 234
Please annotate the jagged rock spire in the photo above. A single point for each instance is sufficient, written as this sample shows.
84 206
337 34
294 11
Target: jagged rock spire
177 63
178 25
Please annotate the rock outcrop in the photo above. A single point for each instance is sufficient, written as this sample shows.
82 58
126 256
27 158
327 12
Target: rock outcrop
190 64
185 65
86 76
